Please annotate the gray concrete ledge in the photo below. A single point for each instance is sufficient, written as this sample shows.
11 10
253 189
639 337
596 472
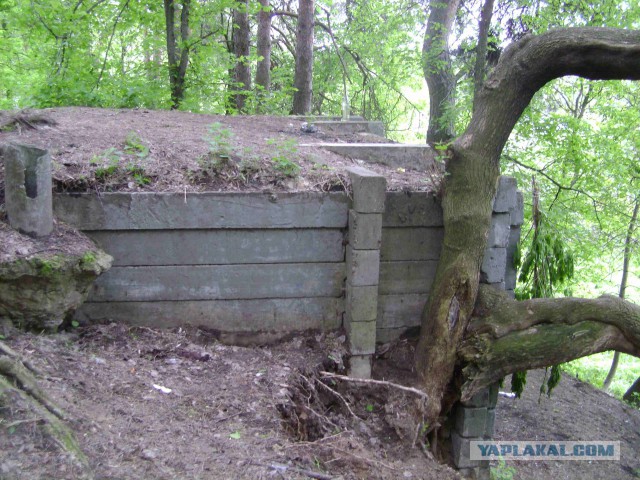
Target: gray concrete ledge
153 211
395 155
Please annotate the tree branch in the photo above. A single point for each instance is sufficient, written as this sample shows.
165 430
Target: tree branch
506 336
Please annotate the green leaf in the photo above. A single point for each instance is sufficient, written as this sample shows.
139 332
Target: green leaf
235 435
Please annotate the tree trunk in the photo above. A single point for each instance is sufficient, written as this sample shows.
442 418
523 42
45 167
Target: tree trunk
470 185
626 258
303 78
263 69
481 50
178 56
436 64
242 71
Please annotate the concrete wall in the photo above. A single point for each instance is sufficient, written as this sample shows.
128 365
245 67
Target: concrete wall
259 266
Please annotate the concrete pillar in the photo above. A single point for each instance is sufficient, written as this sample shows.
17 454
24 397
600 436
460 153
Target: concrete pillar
28 198
363 267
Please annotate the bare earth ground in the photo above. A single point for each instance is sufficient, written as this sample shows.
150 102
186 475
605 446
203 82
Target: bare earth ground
228 414
236 412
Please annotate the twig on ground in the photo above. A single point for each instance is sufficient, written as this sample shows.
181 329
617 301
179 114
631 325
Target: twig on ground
370 381
344 400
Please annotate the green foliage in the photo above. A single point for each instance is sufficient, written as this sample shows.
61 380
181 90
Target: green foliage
593 369
284 152
502 471
518 382
133 145
547 265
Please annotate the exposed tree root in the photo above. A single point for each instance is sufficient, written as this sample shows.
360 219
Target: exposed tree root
18 385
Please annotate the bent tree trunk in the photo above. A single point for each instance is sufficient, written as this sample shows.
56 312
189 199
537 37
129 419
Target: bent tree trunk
469 187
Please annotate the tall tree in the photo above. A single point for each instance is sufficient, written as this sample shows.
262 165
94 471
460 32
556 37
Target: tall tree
241 50
303 78
177 52
465 326
436 64
263 69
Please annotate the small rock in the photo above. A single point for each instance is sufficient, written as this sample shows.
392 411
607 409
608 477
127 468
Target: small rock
407 474
149 454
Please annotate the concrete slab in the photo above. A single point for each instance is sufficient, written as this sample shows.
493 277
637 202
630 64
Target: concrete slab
351 126
159 211
219 282
412 209
406 277
368 190
395 155
420 243
220 247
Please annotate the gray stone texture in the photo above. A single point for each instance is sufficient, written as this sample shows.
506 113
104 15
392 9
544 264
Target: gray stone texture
499 230
362 337
365 230
363 267
517 212
368 190
418 243
394 155
221 247
219 282
461 452
412 209
493 265
400 310
28 190
351 126
279 316
471 421
361 303
406 277
506 195
159 211
360 366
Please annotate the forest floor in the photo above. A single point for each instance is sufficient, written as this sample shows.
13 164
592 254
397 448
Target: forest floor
172 404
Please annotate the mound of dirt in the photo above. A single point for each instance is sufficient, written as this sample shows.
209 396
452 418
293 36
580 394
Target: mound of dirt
167 151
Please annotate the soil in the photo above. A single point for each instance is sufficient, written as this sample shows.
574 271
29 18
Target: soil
172 404
167 151
230 412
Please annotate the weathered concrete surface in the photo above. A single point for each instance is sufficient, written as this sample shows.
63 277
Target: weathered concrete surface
219 282
493 265
363 267
159 211
40 291
499 231
368 190
365 230
412 209
360 366
361 303
396 311
420 243
221 247
506 195
362 337
27 178
406 277
395 155
351 126
279 316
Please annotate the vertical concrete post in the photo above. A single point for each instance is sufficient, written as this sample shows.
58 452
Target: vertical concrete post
28 199
474 420
363 267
